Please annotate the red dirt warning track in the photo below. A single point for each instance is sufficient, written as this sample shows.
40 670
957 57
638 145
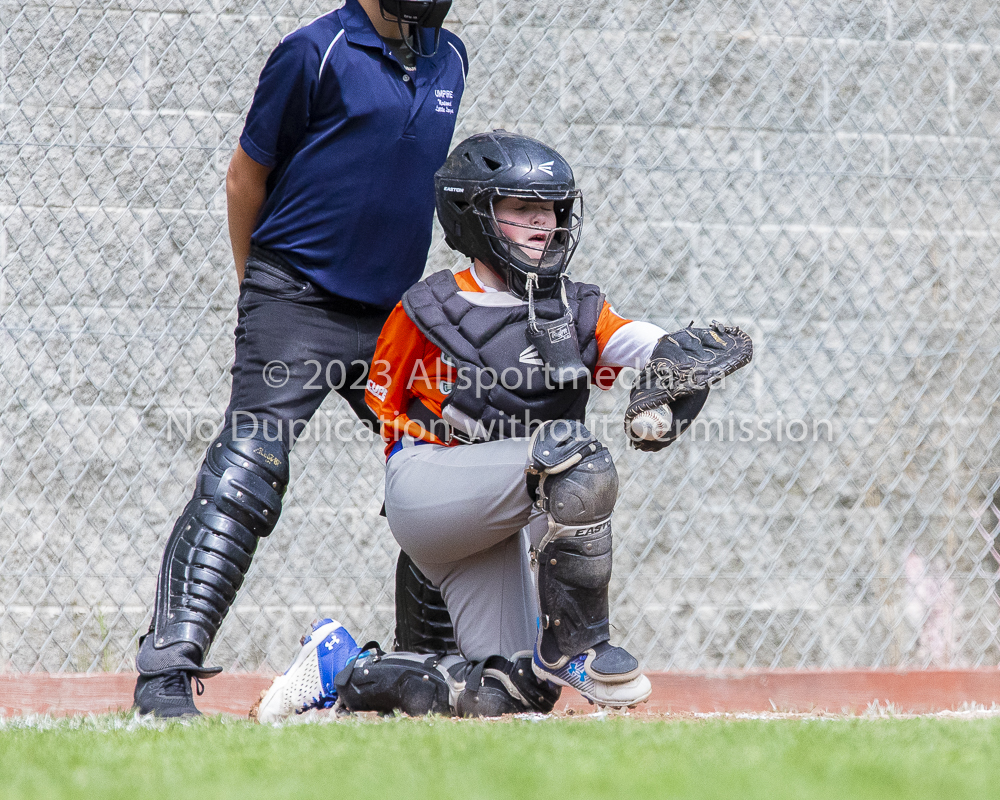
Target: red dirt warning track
829 691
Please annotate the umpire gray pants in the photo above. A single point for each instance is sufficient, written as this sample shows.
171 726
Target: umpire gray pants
462 514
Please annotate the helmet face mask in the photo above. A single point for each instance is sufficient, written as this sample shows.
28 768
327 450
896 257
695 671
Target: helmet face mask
547 261
419 14
488 167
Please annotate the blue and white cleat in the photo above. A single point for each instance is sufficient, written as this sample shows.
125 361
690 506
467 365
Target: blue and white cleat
604 674
308 682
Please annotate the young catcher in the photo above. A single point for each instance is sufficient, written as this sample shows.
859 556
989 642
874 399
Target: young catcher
480 381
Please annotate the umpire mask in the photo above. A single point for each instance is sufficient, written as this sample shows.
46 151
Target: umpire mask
412 15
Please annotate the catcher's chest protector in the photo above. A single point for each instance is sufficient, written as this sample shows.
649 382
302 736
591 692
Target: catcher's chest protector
501 379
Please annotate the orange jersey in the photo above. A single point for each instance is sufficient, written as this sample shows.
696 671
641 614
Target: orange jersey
408 366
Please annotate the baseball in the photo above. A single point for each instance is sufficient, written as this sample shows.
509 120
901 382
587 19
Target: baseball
653 424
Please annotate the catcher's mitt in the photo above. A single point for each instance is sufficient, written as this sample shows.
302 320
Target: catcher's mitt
683 364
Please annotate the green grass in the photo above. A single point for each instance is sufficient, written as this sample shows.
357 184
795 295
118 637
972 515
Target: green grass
119 757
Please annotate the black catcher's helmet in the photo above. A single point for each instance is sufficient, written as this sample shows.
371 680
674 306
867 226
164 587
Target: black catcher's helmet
419 14
488 166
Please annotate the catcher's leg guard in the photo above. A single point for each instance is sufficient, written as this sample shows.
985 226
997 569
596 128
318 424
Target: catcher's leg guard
237 501
423 624
412 683
497 686
577 488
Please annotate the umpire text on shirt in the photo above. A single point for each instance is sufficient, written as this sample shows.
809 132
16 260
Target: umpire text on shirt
331 202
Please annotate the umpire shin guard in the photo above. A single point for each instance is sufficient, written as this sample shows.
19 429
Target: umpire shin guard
237 501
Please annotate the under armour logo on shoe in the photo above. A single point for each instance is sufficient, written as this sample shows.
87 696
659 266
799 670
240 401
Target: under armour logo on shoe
329 643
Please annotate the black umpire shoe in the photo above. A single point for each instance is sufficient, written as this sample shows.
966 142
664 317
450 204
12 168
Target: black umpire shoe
167 695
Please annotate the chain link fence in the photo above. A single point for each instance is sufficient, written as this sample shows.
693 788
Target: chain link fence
825 174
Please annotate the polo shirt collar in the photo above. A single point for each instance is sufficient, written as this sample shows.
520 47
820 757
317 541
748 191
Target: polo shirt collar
357 27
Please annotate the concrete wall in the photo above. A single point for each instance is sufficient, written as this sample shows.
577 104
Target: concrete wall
823 174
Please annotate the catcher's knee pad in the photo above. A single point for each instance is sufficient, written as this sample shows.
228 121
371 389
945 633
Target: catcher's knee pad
423 624
577 483
581 498
497 686
237 501
412 683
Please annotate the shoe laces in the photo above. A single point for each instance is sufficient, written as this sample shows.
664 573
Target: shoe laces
178 684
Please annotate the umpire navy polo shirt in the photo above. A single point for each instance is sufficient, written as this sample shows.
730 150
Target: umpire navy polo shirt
354 141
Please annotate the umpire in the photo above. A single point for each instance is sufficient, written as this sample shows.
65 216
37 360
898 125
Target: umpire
331 201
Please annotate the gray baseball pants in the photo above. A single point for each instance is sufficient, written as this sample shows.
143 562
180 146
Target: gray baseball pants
463 514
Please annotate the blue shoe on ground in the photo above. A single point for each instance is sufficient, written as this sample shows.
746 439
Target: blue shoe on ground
308 682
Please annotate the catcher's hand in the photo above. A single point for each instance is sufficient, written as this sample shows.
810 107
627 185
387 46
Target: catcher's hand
680 369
